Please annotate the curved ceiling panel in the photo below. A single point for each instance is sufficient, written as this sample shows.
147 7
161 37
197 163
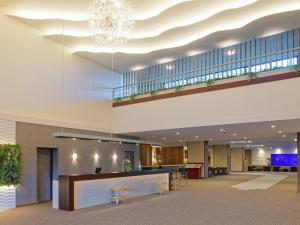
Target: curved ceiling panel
228 20
263 27
75 10
178 16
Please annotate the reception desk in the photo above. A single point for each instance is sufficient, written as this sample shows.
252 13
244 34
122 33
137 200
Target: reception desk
81 191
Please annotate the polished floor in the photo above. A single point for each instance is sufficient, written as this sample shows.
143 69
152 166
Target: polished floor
201 202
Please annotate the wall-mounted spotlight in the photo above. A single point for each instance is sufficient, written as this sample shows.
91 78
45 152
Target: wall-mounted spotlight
114 156
74 156
96 156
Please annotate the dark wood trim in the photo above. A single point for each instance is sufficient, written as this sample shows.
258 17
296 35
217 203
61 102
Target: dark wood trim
66 184
217 87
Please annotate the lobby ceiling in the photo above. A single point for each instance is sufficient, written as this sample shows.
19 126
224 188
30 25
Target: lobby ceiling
249 135
165 29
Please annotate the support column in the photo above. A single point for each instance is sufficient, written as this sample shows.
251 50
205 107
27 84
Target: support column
205 164
298 169
228 159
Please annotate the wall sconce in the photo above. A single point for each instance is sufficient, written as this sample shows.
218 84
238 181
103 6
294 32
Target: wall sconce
96 156
115 156
74 156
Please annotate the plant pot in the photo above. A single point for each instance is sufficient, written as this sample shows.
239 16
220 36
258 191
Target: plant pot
7 198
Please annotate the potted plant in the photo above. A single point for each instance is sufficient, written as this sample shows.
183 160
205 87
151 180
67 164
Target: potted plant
10 174
133 96
210 84
153 93
177 88
127 166
296 68
252 75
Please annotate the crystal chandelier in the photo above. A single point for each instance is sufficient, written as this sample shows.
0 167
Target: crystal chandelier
110 21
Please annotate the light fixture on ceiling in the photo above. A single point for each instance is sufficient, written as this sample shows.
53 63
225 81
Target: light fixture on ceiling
231 52
177 133
283 135
169 67
279 132
295 139
273 126
164 138
211 139
196 137
245 138
234 134
110 21
112 139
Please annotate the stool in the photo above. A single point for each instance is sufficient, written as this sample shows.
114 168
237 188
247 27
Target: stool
118 197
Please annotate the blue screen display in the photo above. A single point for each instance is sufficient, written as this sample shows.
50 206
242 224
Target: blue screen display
284 160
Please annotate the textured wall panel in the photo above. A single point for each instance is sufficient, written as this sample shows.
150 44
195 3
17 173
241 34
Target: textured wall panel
7 198
95 192
7 132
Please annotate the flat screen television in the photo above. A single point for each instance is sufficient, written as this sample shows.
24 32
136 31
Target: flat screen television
284 160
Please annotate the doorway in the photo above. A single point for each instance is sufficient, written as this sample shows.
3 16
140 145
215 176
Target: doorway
247 159
47 171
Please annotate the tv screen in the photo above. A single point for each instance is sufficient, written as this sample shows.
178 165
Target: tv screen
284 160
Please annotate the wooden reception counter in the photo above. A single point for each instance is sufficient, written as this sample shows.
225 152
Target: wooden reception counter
81 191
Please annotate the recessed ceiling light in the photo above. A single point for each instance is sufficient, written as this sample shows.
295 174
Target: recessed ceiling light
169 67
231 52
295 139
249 141
222 130
99 141
211 139
279 132
197 137
244 138
74 139
284 136
273 126
164 138
177 133
234 134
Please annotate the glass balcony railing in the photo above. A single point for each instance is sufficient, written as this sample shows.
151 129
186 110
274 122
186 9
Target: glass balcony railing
269 62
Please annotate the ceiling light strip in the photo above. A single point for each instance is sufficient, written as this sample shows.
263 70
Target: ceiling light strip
102 138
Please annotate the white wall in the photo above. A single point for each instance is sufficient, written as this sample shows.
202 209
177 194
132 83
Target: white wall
7 132
259 156
31 82
253 103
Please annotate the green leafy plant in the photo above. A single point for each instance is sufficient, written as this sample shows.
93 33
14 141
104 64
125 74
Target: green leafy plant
10 159
152 93
178 88
210 83
296 68
118 99
133 96
252 75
